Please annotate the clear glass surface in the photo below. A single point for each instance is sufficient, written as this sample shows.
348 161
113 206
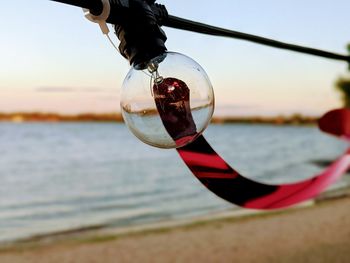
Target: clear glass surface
138 104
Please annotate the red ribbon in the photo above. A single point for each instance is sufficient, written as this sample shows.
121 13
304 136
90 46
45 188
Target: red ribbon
172 101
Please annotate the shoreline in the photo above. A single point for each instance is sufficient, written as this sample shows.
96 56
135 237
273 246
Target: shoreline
102 232
316 232
116 117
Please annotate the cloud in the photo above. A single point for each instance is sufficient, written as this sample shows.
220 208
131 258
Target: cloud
237 106
54 89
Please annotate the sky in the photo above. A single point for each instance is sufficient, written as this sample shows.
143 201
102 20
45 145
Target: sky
54 60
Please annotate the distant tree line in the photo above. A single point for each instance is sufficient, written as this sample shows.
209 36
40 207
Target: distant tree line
55 117
295 119
343 86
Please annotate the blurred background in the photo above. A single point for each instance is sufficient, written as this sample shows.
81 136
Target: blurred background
60 171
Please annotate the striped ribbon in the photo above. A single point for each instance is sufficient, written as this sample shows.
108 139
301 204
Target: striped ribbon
172 101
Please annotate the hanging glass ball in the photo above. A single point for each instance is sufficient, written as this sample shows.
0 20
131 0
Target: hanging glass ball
169 103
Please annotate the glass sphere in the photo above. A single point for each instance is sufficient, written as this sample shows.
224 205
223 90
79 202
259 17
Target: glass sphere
169 103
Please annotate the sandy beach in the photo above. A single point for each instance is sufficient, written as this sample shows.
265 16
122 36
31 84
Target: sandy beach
317 233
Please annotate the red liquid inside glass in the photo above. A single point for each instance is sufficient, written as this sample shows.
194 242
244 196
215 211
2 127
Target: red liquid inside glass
172 97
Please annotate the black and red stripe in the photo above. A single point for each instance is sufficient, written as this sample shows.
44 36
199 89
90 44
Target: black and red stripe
220 178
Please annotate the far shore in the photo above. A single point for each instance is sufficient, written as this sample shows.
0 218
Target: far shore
19 117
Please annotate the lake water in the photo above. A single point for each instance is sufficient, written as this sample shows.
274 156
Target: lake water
56 177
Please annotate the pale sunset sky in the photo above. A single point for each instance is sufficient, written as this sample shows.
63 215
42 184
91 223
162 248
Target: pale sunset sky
53 60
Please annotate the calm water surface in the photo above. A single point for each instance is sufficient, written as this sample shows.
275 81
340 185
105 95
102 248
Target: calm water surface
56 177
